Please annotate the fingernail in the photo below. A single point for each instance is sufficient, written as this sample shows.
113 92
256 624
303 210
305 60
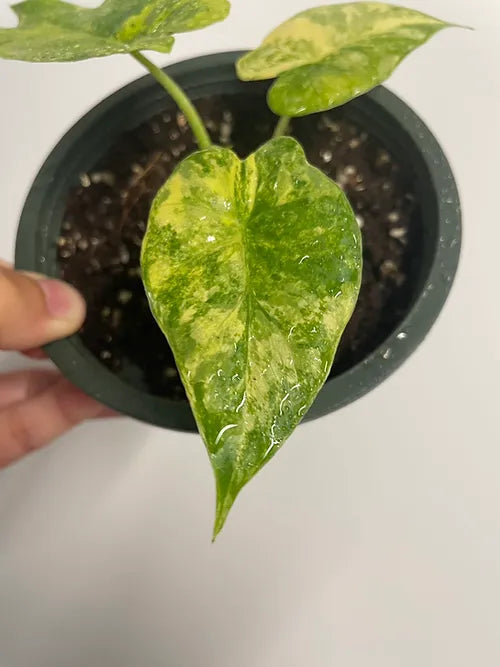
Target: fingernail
63 301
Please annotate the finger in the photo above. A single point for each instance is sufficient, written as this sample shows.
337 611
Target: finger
21 385
35 311
27 426
36 354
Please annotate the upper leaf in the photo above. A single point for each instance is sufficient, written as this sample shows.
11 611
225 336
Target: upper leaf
52 30
326 56
252 269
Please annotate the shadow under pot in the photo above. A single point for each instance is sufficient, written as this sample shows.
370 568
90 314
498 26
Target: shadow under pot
87 210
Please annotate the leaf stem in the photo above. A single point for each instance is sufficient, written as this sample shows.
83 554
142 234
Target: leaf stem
179 97
282 127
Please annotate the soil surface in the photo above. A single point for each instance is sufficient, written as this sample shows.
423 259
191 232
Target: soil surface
107 212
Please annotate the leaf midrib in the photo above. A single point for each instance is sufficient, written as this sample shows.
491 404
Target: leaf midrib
249 296
247 166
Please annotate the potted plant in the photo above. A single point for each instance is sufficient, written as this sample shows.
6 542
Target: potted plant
251 254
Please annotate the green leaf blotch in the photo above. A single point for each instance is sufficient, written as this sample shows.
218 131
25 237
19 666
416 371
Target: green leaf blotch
252 269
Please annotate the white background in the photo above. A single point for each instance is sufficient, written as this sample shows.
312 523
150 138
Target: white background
371 540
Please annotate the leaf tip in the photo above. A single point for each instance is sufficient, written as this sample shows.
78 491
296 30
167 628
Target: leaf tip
446 24
225 501
464 27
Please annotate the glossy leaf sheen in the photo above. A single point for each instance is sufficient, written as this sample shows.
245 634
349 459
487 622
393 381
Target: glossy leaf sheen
52 30
252 269
326 56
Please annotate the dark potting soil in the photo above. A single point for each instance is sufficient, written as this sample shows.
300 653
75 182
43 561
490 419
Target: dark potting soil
107 212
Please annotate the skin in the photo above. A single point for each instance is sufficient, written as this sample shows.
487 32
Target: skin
37 406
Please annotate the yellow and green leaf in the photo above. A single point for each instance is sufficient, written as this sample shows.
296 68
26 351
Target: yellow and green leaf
326 56
252 269
56 31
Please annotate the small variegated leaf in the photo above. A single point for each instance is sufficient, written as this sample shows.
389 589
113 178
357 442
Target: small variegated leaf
56 31
252 269
326 56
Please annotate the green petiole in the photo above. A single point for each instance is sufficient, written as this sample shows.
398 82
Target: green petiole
179 97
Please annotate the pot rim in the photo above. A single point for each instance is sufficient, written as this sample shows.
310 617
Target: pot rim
81 367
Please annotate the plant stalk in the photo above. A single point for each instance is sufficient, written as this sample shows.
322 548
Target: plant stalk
282 127
179 97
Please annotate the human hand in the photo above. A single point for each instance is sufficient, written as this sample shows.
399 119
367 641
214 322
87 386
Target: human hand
37 406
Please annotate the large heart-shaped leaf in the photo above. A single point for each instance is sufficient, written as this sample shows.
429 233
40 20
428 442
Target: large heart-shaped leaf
252 269
52 30
326 56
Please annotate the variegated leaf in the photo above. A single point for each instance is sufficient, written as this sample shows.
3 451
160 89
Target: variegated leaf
326 56
53 30
252 269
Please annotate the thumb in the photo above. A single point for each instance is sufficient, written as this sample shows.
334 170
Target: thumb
35 310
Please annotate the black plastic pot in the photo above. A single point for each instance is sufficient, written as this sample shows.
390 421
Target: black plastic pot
387 118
